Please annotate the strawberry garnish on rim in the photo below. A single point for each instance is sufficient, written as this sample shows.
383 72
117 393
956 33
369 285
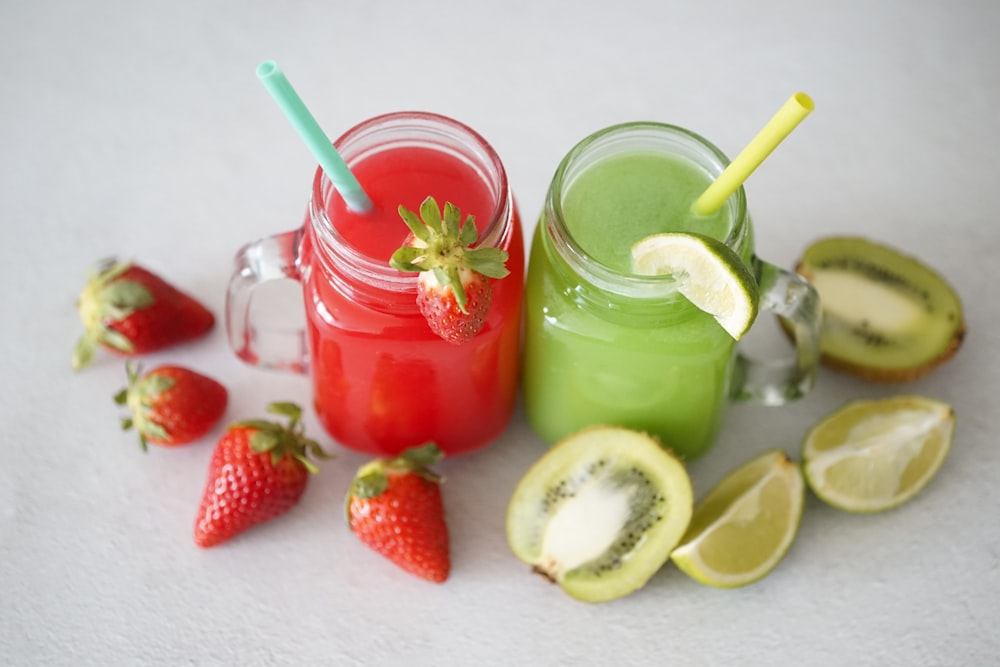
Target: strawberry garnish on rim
453 288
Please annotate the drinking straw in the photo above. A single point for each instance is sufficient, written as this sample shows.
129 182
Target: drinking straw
316 140
773 133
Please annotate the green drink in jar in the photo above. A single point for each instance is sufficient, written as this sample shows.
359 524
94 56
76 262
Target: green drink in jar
605 345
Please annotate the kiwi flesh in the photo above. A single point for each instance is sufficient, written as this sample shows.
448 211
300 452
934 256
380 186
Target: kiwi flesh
600 512
887 317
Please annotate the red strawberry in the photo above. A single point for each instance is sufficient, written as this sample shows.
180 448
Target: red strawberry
453 290
394 506
130 310
171 405
258 471
439 305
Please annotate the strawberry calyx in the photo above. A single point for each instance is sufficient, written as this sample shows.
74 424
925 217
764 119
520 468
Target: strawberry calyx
445 245
372 478
138 396
284 440
107 299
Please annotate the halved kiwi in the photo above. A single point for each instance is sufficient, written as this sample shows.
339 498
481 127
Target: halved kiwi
600 512
886 316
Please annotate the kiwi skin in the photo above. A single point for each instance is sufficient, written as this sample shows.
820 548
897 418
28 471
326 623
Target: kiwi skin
899 374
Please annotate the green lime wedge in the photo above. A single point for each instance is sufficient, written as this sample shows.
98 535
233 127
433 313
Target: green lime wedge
707 272
873 455
745 525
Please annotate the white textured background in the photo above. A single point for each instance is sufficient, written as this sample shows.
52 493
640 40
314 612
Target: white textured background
138 127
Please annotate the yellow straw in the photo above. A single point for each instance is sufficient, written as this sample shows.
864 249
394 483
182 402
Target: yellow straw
773 133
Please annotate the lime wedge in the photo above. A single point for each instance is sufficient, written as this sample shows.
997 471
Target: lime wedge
707 272
874 455
744 526
742 529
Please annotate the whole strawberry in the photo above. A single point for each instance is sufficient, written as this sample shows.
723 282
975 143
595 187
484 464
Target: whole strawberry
258 471
394 506
171 405
453 289
130 310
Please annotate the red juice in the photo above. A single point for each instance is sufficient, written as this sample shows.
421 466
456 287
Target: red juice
407 176
382 380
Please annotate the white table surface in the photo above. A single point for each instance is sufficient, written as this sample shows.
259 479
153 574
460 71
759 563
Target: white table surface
139 128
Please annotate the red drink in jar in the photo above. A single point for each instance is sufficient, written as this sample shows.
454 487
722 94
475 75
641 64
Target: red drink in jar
382 380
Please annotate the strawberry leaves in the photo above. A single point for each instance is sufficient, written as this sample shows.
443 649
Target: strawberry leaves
445 246
279 440
372 479
107 298
139 396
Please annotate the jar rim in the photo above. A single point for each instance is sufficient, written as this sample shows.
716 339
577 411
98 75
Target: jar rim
608 141
406 129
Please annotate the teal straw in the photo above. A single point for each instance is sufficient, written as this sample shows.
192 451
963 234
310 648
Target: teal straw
316 140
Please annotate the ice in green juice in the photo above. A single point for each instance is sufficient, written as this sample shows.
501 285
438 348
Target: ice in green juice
594 356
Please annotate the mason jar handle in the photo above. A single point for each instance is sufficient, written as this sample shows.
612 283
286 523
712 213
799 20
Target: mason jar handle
795 301
256 338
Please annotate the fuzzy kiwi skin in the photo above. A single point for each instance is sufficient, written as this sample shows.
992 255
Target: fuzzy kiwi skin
886 375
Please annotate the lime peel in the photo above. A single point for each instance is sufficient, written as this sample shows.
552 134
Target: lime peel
712 277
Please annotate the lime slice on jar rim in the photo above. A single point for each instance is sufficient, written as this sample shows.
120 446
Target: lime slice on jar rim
874 455
712 277
745 525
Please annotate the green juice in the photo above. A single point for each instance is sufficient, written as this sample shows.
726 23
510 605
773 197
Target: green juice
628 197
599 349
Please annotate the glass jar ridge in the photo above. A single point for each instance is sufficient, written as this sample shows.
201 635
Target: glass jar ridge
353 270
638 136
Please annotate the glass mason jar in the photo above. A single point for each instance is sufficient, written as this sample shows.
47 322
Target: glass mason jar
604 345
382 380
